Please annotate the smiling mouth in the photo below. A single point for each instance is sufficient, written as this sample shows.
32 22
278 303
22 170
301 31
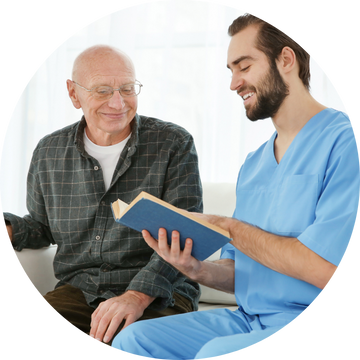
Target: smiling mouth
248 95
115 115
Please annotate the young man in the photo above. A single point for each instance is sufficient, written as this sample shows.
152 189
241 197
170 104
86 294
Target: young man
297 198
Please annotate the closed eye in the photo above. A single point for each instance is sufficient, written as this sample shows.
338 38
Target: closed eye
245 69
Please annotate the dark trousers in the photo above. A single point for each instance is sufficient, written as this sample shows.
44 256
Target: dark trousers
70 302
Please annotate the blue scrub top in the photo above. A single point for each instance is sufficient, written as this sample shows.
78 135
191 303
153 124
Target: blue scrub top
312 194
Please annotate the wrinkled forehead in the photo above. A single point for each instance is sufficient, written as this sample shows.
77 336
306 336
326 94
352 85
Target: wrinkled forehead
107 65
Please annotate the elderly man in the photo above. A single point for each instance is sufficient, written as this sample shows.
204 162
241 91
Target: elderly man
297 197
108 276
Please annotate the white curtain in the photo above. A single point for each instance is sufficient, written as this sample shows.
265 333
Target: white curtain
179 50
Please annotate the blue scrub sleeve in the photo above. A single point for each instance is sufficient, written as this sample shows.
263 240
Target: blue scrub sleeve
337 205
228 252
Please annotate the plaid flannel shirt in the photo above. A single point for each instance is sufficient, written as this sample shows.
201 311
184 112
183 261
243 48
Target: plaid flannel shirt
68 206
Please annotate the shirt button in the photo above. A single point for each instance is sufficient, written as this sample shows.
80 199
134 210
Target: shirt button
97 237
103 203
96 168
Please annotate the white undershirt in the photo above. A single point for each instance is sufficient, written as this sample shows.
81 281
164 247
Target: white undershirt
107 156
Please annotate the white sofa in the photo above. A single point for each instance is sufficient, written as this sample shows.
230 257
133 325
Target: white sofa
219 199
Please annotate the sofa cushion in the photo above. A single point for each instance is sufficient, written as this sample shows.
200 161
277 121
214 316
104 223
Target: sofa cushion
213 296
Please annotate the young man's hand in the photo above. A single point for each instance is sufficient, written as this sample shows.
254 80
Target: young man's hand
180 259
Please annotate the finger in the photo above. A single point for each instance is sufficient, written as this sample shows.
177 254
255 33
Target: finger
162 242
95 318
114 325
188 247
103 325
93 329
175 244
150 240
94 314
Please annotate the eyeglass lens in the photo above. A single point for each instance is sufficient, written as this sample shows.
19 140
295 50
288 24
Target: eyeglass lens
104 92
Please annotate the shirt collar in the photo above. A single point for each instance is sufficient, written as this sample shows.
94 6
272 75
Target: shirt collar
132 143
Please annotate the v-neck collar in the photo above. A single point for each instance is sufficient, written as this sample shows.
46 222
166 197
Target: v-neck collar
303 131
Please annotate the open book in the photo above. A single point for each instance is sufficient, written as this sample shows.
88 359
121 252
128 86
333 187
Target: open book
147 212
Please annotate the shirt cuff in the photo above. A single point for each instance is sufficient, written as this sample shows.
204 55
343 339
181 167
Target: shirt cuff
158 279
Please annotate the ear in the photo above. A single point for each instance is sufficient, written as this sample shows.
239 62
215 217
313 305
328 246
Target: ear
73 94
287 60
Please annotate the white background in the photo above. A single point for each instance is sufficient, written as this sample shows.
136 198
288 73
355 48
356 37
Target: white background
180 51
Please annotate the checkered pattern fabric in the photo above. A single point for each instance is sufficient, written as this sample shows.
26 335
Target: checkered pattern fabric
68 206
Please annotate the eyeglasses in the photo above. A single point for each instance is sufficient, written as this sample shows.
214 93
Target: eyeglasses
106 92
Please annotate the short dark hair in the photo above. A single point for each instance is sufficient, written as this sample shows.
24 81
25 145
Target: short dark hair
271 41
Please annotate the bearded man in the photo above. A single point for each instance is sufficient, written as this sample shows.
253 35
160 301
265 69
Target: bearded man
297 198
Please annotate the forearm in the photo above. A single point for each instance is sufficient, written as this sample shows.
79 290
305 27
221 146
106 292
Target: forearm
285 255
157 280
27 232
144 300
219 275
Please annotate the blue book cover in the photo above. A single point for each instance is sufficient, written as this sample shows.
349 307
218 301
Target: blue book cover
147 212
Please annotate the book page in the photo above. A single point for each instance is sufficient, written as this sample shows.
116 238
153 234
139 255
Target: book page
119 207
122 206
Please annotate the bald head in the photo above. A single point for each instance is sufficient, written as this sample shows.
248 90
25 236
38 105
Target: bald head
108 121
95 57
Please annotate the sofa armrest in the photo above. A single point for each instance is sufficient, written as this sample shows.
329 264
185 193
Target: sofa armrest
38 265
219 199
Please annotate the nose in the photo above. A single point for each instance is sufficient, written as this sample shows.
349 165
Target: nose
116 101
237 81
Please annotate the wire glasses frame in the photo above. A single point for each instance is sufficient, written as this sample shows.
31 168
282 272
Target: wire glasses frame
106 92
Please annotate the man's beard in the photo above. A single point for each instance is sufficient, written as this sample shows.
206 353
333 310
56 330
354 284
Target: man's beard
271 92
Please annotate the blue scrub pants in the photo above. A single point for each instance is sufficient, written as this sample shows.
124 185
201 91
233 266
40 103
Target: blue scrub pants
196 335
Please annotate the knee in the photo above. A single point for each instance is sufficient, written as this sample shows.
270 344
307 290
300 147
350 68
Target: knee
130 338
211 349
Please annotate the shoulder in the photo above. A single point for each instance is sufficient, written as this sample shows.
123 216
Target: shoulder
149 125
335 132
334 123
335 116
339 138
59 138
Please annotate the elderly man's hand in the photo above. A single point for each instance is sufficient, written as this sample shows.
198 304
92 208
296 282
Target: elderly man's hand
109 315
7 229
